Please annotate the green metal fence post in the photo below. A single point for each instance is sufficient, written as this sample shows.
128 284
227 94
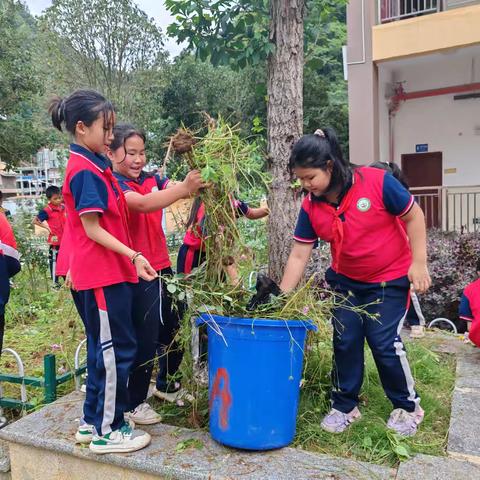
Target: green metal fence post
50 372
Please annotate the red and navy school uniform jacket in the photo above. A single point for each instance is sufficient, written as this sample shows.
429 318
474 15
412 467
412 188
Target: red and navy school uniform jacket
146 229
195 236
8 246
90 187
469 309
55 216
368 243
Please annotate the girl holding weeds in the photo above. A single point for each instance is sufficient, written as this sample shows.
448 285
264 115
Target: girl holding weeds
375 262
156 315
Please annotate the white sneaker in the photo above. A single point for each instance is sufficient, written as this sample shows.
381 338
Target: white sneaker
84 432
406 423
178 396
3 419
83 386
144 414
123 440
417 331
336 421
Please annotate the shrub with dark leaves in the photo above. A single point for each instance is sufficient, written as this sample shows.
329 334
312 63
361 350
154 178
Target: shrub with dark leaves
452 258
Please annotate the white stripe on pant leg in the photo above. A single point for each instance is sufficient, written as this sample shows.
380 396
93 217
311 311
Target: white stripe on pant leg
54 265
160 300
402 356
416 306
110 365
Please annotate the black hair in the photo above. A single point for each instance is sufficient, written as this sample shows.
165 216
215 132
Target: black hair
192 217
478 265
51 191
122 132
1 195
321 150
394 169
81 105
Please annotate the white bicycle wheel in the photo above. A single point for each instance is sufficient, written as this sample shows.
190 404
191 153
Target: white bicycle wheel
440 320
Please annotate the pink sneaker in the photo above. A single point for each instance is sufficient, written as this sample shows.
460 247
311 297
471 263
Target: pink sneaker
336 421
406 423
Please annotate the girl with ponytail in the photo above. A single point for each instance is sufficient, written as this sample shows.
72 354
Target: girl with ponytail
102 267
374 265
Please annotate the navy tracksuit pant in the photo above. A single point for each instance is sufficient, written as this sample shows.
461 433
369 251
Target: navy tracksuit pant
111 352
4 295
388 302
156 320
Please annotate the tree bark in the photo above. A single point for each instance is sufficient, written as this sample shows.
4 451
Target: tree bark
284 124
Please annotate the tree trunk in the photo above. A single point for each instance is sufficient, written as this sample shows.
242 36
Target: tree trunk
284 122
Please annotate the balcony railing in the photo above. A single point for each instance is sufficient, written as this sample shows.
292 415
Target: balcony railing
450 208
391 10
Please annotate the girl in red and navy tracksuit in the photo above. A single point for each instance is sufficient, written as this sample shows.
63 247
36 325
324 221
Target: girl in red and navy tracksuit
103 268
9 266
192 251
469 308
356 210
53 218
156 315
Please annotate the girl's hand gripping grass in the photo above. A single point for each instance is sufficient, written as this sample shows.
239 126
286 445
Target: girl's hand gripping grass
144 269
193 183
265 287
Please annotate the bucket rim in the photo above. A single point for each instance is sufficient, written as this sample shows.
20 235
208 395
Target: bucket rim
205 318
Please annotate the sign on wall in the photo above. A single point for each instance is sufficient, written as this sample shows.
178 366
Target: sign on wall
421 148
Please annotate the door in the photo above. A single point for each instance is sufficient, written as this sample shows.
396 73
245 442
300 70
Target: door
425 170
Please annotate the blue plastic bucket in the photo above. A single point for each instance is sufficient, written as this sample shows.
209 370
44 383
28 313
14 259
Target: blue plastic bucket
255 369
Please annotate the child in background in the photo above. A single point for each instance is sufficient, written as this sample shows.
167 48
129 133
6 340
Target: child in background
156 315
52 218
469 308
103 266
415 317
9 266
356 209
2 208
192 251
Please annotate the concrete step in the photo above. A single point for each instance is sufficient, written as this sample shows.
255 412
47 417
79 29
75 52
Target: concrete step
464 431
42 447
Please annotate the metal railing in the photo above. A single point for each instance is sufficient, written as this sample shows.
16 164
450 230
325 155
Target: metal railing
450 208
48 383
390 10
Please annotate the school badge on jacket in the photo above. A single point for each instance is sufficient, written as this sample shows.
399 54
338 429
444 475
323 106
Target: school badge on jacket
363 204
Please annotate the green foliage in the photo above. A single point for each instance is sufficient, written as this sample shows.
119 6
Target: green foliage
108 39
228 32
236 33
228 163
18 77
19 83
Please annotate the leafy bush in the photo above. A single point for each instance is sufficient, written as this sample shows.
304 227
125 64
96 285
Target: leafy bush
452 258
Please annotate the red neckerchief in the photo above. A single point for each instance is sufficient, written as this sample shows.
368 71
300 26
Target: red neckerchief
337 226
123 207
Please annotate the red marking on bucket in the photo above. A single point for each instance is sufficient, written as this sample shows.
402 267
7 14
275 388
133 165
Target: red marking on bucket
223 394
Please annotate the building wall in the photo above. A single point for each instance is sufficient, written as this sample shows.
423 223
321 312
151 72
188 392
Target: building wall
426 34
446 125
362 83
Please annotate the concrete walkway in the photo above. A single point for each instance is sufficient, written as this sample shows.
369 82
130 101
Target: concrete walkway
41 447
